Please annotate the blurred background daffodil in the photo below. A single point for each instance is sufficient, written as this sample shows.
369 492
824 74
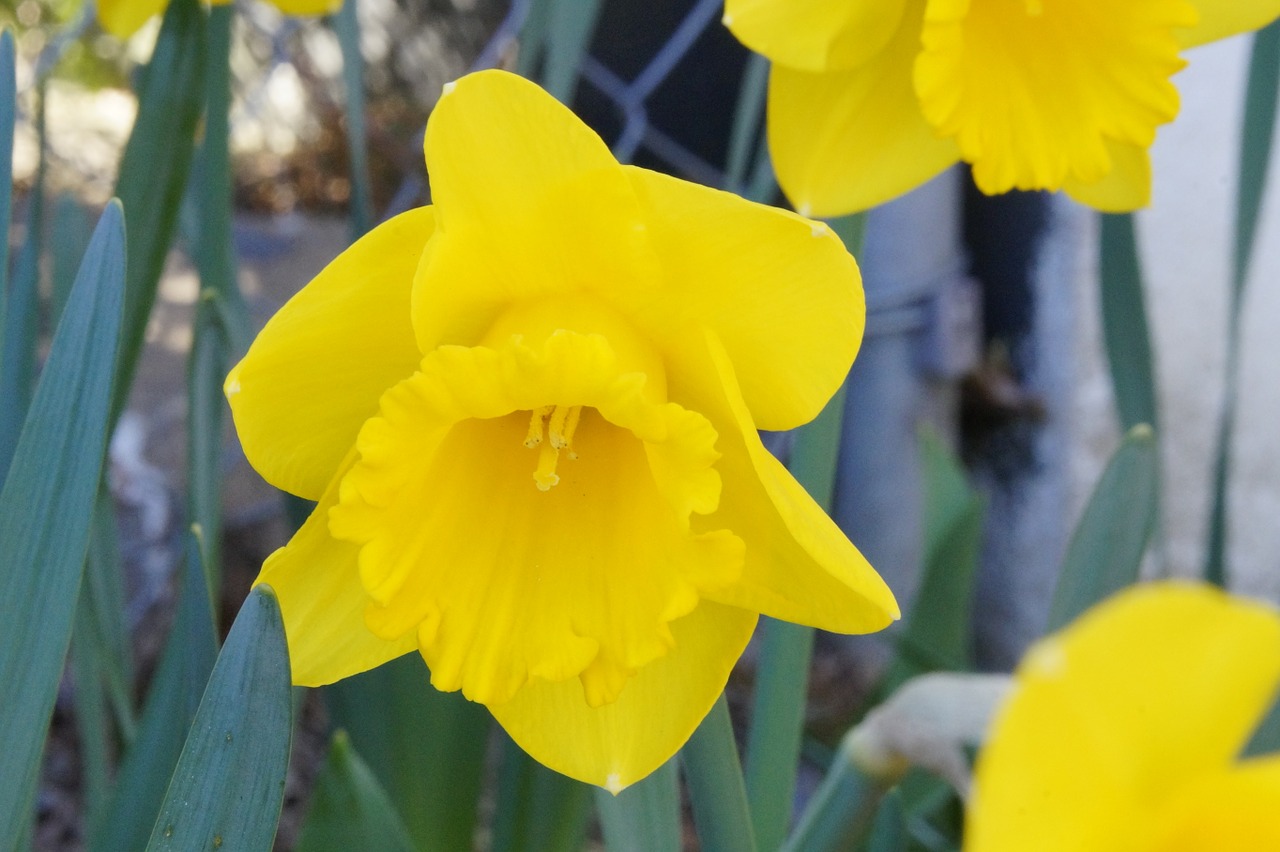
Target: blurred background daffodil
1125 731
868 100
122 18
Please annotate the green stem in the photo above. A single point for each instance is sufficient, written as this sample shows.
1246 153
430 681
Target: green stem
716 788
1255 157
841 812
348 29
645 817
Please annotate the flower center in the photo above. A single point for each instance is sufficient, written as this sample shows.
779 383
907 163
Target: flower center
1033 90
501 582
555 423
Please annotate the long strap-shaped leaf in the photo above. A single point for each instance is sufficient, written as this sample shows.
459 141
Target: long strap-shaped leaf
228 786
1107 547
45 511
1124 323
349 809
1255 157
8 99
154 169
176 689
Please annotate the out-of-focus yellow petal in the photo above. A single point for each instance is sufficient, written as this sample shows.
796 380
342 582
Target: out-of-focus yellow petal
556 561
316 579
620 743
848 140
1144 694
1126 187
122 18
780 291
799 566
1031 92
1223 18
316 371
308 7
530 204
814 35
1230 811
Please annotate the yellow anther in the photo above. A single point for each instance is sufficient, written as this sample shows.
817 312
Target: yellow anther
544 476
534 438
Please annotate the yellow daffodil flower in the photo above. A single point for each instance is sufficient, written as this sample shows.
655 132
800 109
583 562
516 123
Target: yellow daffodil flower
871 98
123 18
1124 731
529 416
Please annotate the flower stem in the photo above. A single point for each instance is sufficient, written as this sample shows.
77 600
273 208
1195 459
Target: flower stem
715 783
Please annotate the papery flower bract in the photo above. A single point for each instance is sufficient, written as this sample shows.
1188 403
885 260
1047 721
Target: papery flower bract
1124 731
122 18
871 98
529 416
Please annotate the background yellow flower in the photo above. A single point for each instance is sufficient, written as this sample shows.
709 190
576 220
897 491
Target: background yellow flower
869 99
1124 731
122 18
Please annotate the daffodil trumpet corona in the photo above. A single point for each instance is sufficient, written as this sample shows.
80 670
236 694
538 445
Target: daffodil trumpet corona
871 98
122 18
1124 732
529 416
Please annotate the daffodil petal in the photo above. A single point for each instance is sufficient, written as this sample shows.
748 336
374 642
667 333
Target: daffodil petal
780 291
618 744
316 579
1143 694
1223 18
844 141
307 7
122 18
316 371
530 204
1229 811
1126 187
799 566
814 35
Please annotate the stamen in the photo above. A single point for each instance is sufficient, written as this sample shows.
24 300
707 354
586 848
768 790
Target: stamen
571 426
563 423
534 438
556 427
545 475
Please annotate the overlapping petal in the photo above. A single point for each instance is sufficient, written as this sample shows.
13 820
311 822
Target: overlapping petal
814 35
1222 18
799 566
552 217
618 744
848 140
1127 186
1147 693
322 602
781 293
317 369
